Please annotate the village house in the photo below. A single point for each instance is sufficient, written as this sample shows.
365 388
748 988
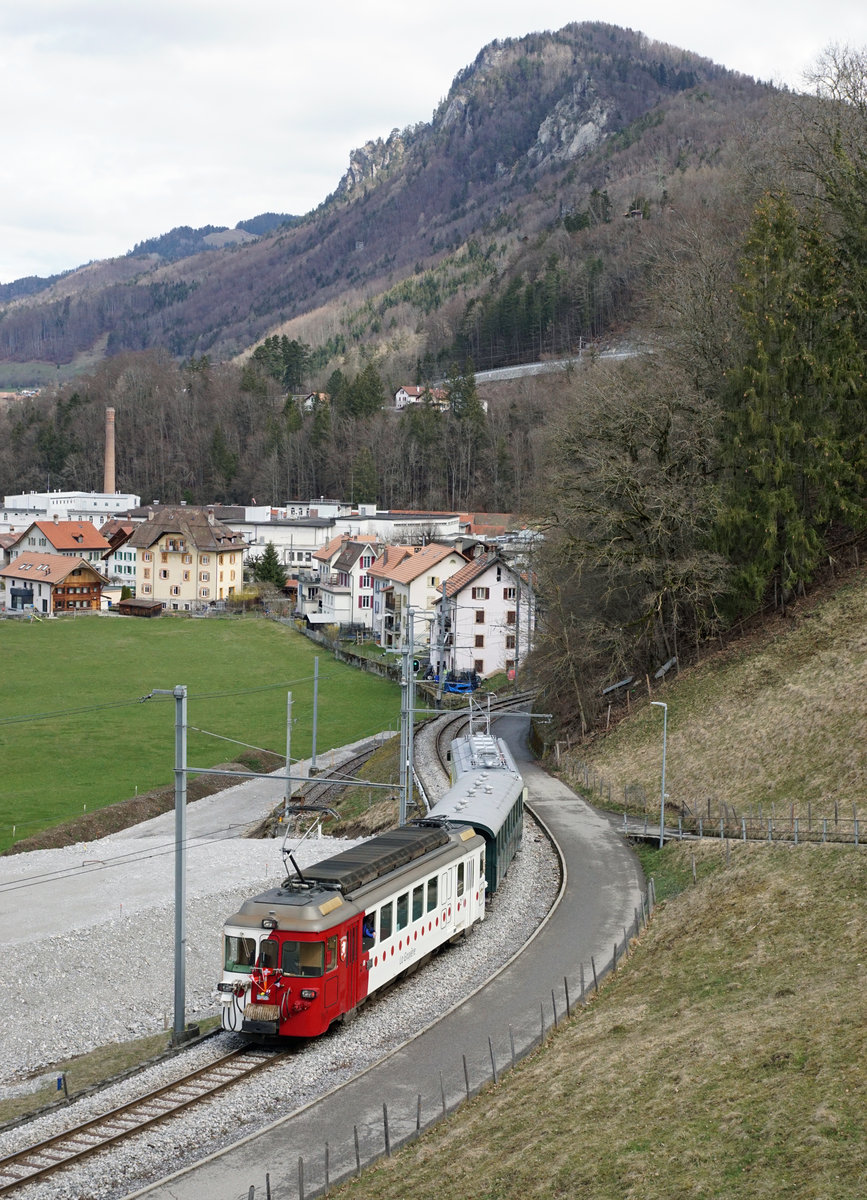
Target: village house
80 539
409 576
437 398
50 584
489 617
186 558
120 559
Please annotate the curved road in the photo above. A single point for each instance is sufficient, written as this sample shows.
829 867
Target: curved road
604 887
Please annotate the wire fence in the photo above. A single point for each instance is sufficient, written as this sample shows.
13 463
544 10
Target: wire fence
715 818
437 1096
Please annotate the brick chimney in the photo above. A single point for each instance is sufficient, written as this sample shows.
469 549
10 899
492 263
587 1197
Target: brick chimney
108 480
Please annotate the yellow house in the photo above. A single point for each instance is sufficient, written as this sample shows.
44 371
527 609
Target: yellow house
186 558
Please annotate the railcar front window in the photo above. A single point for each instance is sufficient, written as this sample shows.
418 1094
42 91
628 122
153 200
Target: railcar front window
240 954
268 952
302 959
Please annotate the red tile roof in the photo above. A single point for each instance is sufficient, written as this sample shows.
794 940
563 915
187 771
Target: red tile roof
47 568
70 535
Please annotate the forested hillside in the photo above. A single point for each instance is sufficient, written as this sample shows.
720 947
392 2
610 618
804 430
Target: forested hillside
497 229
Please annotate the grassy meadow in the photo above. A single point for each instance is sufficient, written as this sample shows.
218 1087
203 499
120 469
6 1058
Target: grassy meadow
725 1060
74 736
773 724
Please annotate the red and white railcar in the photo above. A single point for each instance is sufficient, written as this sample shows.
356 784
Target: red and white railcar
303 955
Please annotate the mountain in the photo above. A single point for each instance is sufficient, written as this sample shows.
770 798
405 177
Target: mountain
560 139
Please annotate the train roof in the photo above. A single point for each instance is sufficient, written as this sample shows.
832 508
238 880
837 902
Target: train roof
380 855
480 751
487 786
330 890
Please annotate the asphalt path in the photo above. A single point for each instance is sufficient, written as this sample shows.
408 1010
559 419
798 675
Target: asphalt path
603 888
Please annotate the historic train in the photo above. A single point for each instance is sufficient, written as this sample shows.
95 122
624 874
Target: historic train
301 956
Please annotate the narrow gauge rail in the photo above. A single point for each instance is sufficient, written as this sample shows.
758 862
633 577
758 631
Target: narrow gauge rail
66 1149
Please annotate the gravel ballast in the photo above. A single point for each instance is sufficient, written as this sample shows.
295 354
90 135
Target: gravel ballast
109 977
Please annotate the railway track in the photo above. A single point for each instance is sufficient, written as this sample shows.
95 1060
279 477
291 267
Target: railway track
68 1148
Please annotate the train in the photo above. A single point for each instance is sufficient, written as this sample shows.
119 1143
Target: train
302 956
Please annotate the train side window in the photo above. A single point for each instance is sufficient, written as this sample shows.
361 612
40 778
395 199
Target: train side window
385 921
403 911
417 901
460 879
432 894
331 953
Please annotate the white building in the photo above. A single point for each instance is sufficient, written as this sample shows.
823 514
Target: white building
490 616
97 507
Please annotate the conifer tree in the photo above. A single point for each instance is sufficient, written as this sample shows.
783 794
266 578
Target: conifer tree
793 469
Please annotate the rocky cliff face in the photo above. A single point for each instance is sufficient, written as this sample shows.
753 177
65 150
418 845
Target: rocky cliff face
575 126
370 161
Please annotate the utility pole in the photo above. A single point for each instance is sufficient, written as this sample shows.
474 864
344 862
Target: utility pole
288 796
180 695
313 767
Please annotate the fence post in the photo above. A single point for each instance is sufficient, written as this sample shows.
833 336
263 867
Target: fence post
595 980
418 1114
797 819
357 1151
566 989
493 1060
856 831
386 1130
700 828
743 829
300 1177
327 1169
267 1186
614 960
583 993
466 1075
443 1093
824 829
512 1044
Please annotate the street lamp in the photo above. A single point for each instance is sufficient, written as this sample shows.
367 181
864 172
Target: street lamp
661 704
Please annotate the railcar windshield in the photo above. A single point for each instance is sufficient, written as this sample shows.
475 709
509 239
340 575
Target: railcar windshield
240 953
304 959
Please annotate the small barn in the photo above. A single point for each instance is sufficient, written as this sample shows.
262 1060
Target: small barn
134 607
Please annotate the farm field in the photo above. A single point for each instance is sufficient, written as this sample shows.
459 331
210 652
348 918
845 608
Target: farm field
75 737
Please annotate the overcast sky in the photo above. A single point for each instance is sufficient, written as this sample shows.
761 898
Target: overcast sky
124 118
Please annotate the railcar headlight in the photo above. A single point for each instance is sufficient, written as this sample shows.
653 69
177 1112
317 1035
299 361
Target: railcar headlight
269 922
308 994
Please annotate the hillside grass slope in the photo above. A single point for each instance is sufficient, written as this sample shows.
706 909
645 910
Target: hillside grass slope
724 1060
774 722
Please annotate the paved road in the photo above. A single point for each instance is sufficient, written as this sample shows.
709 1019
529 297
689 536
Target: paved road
604 886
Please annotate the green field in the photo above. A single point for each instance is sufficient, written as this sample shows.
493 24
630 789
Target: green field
74 736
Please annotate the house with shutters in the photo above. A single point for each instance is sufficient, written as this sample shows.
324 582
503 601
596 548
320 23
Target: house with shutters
186 558
409 576
78 539
51 584
487 616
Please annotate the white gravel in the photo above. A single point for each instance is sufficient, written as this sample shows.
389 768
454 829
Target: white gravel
110 978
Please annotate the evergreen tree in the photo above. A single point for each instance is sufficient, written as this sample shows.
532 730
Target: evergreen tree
267 568
788 429
365 480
